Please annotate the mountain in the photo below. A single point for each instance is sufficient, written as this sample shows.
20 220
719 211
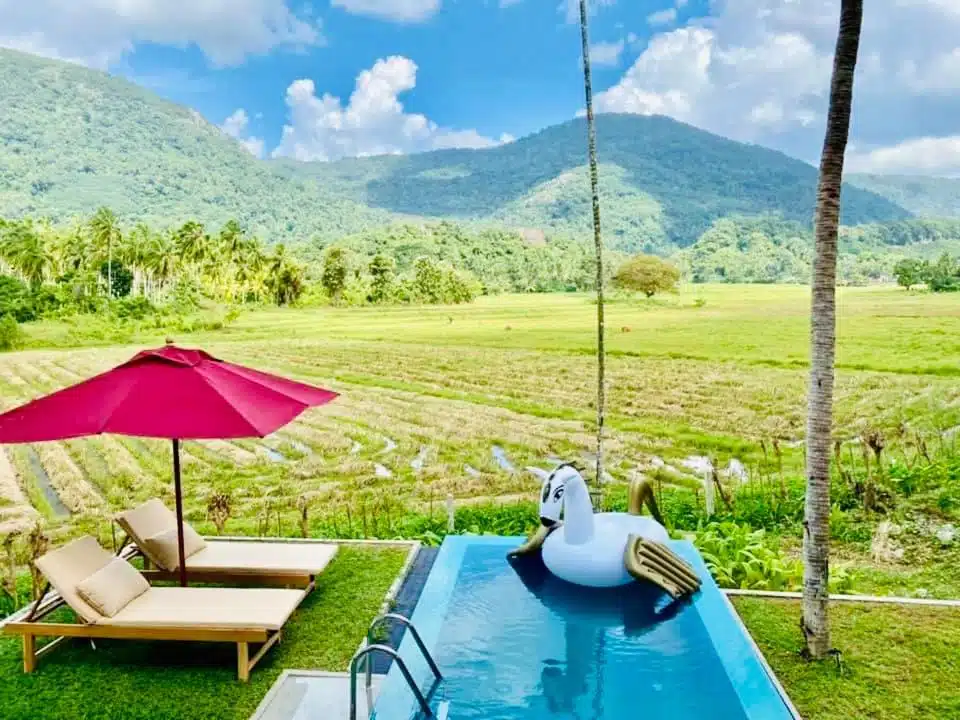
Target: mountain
923 196
671 178
73 139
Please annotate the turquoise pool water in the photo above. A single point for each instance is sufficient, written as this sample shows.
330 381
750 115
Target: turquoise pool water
528 646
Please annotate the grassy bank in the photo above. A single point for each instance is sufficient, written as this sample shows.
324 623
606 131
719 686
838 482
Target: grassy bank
896 663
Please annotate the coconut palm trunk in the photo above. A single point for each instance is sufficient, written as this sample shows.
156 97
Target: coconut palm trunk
597 241
816 535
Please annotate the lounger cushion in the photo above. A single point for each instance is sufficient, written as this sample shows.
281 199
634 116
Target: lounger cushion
164 546
113 587
240 557
70 565
266 608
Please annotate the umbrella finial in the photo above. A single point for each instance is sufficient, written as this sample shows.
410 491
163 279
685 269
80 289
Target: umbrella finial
168 340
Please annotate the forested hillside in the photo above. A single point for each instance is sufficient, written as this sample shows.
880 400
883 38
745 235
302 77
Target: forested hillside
73 140
770 249
664 182
923 196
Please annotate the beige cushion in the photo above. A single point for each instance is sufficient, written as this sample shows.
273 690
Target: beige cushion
164 547
242 557
145 520
266 608
70 565
113 587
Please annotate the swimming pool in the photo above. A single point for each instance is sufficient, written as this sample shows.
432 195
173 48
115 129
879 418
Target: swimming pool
531 647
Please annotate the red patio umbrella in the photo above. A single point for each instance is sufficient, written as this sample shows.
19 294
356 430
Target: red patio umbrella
169 392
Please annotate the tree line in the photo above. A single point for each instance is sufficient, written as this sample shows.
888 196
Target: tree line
92 262
499 259
348 279
940 276
98 264
769 249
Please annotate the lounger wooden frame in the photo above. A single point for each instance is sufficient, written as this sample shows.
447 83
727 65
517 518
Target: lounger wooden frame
129 550
248 577
30 628
243 637
300 581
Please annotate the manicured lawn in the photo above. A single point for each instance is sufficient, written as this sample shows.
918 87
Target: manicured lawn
183 681
899 663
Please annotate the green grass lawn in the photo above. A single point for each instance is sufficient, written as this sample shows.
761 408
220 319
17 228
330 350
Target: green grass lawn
898 663
126 680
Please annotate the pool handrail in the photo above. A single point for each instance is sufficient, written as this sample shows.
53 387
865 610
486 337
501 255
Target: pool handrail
386 649
405 621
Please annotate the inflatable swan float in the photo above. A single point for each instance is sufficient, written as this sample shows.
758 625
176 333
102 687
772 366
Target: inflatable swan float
603 549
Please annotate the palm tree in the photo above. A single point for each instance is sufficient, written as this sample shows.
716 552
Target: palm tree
816 536
193 246
134 254
105 230
250 265
24 249
597 239
74 248
160 260
232 248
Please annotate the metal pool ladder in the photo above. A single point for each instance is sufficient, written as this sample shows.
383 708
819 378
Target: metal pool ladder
372 647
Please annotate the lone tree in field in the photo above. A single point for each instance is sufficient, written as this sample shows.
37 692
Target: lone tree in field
647 274
909 272
816 523
597 239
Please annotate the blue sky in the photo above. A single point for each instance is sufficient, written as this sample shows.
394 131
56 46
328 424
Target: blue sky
326 79
513 69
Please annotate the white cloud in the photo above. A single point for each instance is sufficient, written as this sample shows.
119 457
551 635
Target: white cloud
236 127
923 156
666 79
759 70
373 122
607 53
401 11
662 17
99 32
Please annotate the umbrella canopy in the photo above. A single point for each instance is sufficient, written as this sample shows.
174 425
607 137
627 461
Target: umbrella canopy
169 392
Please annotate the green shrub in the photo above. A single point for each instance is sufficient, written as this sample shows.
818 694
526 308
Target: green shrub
134 308
739 557
11 336
15 299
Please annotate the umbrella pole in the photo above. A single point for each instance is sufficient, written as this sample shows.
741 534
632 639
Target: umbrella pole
179 498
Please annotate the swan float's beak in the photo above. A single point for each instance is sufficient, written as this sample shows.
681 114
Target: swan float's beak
547 522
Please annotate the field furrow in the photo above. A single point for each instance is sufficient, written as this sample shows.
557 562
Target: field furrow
16 512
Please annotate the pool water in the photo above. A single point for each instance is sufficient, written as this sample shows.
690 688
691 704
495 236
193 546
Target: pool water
528 646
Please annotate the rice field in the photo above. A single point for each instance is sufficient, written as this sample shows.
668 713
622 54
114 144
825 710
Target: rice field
457 400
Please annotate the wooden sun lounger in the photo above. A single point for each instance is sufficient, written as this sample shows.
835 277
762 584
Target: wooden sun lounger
234 615
232 561
658 564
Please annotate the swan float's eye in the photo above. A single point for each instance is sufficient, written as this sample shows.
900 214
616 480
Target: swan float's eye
546 493
558 493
